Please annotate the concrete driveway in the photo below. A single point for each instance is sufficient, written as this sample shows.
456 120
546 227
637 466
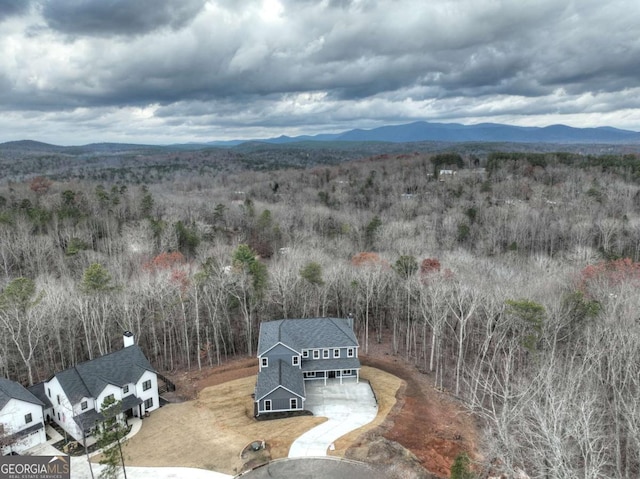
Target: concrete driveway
347 407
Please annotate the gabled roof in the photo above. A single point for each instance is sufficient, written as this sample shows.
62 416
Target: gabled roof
11 390
279 374
38 391
88 379
306 334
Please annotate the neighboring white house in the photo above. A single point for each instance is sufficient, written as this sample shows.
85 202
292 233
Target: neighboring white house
78 393
21 418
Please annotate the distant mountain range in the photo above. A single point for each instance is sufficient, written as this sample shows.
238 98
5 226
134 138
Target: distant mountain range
483 132
419 131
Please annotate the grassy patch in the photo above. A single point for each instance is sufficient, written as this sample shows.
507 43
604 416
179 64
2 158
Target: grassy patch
211 431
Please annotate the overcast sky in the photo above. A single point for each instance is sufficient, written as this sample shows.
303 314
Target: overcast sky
168 71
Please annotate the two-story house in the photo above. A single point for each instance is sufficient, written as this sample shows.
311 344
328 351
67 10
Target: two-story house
292 351
21 418
78 393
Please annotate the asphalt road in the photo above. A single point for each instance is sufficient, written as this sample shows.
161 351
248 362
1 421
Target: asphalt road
314 468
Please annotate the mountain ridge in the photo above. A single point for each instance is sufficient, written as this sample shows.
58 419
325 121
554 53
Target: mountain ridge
419 131
456 132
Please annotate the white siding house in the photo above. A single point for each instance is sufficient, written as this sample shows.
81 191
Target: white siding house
78 393
21 418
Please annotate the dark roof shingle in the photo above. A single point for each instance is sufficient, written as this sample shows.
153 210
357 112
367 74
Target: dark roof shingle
88 379
306 334
38 391
12 390
280 374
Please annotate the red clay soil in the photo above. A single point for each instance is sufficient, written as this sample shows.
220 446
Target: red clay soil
434 426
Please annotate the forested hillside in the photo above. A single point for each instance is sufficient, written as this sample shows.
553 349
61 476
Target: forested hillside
512 277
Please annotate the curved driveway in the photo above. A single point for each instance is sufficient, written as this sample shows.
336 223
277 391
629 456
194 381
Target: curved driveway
347 407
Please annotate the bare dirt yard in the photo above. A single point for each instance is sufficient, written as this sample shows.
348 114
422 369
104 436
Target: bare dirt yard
432 427
418 428
212 430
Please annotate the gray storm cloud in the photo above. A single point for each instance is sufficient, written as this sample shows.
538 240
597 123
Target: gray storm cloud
343 63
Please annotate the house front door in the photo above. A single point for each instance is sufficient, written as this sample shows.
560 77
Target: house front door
332 374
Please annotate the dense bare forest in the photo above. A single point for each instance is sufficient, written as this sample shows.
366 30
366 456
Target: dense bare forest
511 276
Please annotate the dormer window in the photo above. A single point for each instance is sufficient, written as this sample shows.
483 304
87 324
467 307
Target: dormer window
336 353
350 352
265 362
305 353
325 354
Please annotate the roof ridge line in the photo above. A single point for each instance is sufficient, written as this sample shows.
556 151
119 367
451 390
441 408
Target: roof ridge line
86 386
340 327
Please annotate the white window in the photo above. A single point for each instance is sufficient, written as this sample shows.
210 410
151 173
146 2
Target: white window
346 372
265 362
295 360
336 353
350 352
325 354
267 404
294 403
316 354
310 374
305 353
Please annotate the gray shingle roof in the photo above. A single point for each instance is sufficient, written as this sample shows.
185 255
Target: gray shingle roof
38 391
87 420
130 402
306 333
88 379
280 374
331 364
11 390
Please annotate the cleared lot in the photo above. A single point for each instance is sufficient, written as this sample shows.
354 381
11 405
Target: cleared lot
211 431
